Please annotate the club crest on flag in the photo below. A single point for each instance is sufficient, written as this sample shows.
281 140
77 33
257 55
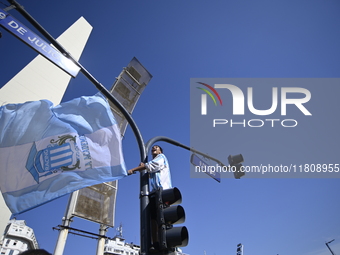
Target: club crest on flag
61 154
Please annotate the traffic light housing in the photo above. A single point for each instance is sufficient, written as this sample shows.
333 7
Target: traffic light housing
239 249
165 212
235 164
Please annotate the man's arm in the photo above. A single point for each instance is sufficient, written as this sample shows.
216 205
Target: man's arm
137 169
155 165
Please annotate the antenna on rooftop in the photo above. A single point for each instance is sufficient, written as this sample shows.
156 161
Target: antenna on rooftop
120 230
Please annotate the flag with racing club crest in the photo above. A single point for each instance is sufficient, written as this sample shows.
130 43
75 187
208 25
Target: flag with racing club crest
49 151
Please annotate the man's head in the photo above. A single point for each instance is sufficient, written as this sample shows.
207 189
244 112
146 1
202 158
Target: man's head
35 252
155 150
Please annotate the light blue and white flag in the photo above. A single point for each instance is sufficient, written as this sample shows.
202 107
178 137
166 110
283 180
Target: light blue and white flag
47 152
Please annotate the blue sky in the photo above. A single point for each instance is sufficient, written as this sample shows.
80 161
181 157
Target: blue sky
180 40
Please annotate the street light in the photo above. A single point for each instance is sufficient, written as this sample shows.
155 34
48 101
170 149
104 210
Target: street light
236 166
330 247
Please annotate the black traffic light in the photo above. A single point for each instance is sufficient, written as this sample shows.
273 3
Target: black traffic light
236 166
165 212
239 250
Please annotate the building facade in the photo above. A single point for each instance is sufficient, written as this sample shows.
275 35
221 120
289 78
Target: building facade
118 246
18 237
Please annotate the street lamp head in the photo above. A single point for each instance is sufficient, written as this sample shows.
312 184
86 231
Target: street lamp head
235 160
